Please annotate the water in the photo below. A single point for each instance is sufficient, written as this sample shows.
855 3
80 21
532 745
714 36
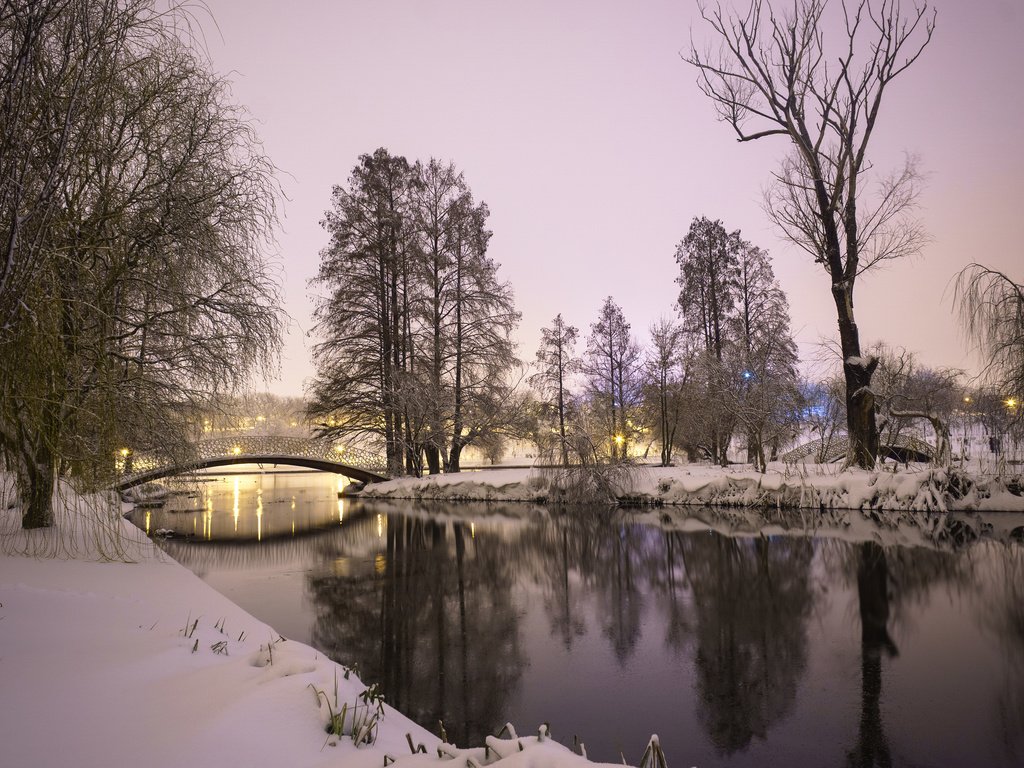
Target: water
738 650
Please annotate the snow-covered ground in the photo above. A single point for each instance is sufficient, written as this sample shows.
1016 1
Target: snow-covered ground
111 653
105 662
915 488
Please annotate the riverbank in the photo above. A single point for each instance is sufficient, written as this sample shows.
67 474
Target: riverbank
112 653
915 488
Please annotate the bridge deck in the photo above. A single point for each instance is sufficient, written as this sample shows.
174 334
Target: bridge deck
358 464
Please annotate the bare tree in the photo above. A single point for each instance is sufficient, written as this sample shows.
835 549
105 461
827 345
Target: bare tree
767 395
416 325
909 392
667 366
555 364
483 354
774 76
441 198
611 366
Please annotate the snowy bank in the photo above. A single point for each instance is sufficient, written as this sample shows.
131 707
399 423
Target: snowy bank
783 486
141 663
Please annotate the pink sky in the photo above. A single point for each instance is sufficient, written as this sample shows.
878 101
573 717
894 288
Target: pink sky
585 133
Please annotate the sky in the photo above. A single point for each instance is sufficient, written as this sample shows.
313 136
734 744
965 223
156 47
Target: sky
582 128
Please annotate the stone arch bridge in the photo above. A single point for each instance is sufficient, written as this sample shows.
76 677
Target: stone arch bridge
361 465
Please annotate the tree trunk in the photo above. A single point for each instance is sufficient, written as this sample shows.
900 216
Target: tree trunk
454 456
561 412
433 459
36 480
860 413
861 427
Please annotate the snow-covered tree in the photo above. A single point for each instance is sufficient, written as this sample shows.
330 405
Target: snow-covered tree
667 378
153 291
708 259
773 75
908 392
415 325
612 369
991 307
363 318
556 363
767 394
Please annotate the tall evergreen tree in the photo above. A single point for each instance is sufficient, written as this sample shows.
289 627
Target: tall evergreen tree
708 259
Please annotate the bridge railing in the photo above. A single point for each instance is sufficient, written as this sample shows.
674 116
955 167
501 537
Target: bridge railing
257 448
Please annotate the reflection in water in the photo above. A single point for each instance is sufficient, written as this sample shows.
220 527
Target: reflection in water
752 600
873 593
445 645
737 650
1003 616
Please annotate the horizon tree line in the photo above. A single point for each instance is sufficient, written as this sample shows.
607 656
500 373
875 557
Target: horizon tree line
727 362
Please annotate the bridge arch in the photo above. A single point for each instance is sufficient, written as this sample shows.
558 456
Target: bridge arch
357 464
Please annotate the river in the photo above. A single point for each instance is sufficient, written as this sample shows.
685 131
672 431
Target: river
739 645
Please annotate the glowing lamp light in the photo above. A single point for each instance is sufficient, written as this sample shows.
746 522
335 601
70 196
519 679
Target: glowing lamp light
1011 402
619 439
747 375
236 450
967 398
125 452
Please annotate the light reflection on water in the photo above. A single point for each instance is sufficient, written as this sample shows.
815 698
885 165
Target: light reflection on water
737 650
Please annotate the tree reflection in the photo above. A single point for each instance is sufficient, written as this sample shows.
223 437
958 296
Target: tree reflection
1003 615
431 619
873 597
752 598
619 591
891 580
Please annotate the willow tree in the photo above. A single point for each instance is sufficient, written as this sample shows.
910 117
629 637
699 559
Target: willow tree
991 308
773 75
154 291
51 56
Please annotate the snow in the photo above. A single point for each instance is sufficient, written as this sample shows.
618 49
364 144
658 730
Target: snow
915 488
110 652
112 662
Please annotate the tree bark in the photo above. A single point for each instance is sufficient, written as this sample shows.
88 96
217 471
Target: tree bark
36 480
